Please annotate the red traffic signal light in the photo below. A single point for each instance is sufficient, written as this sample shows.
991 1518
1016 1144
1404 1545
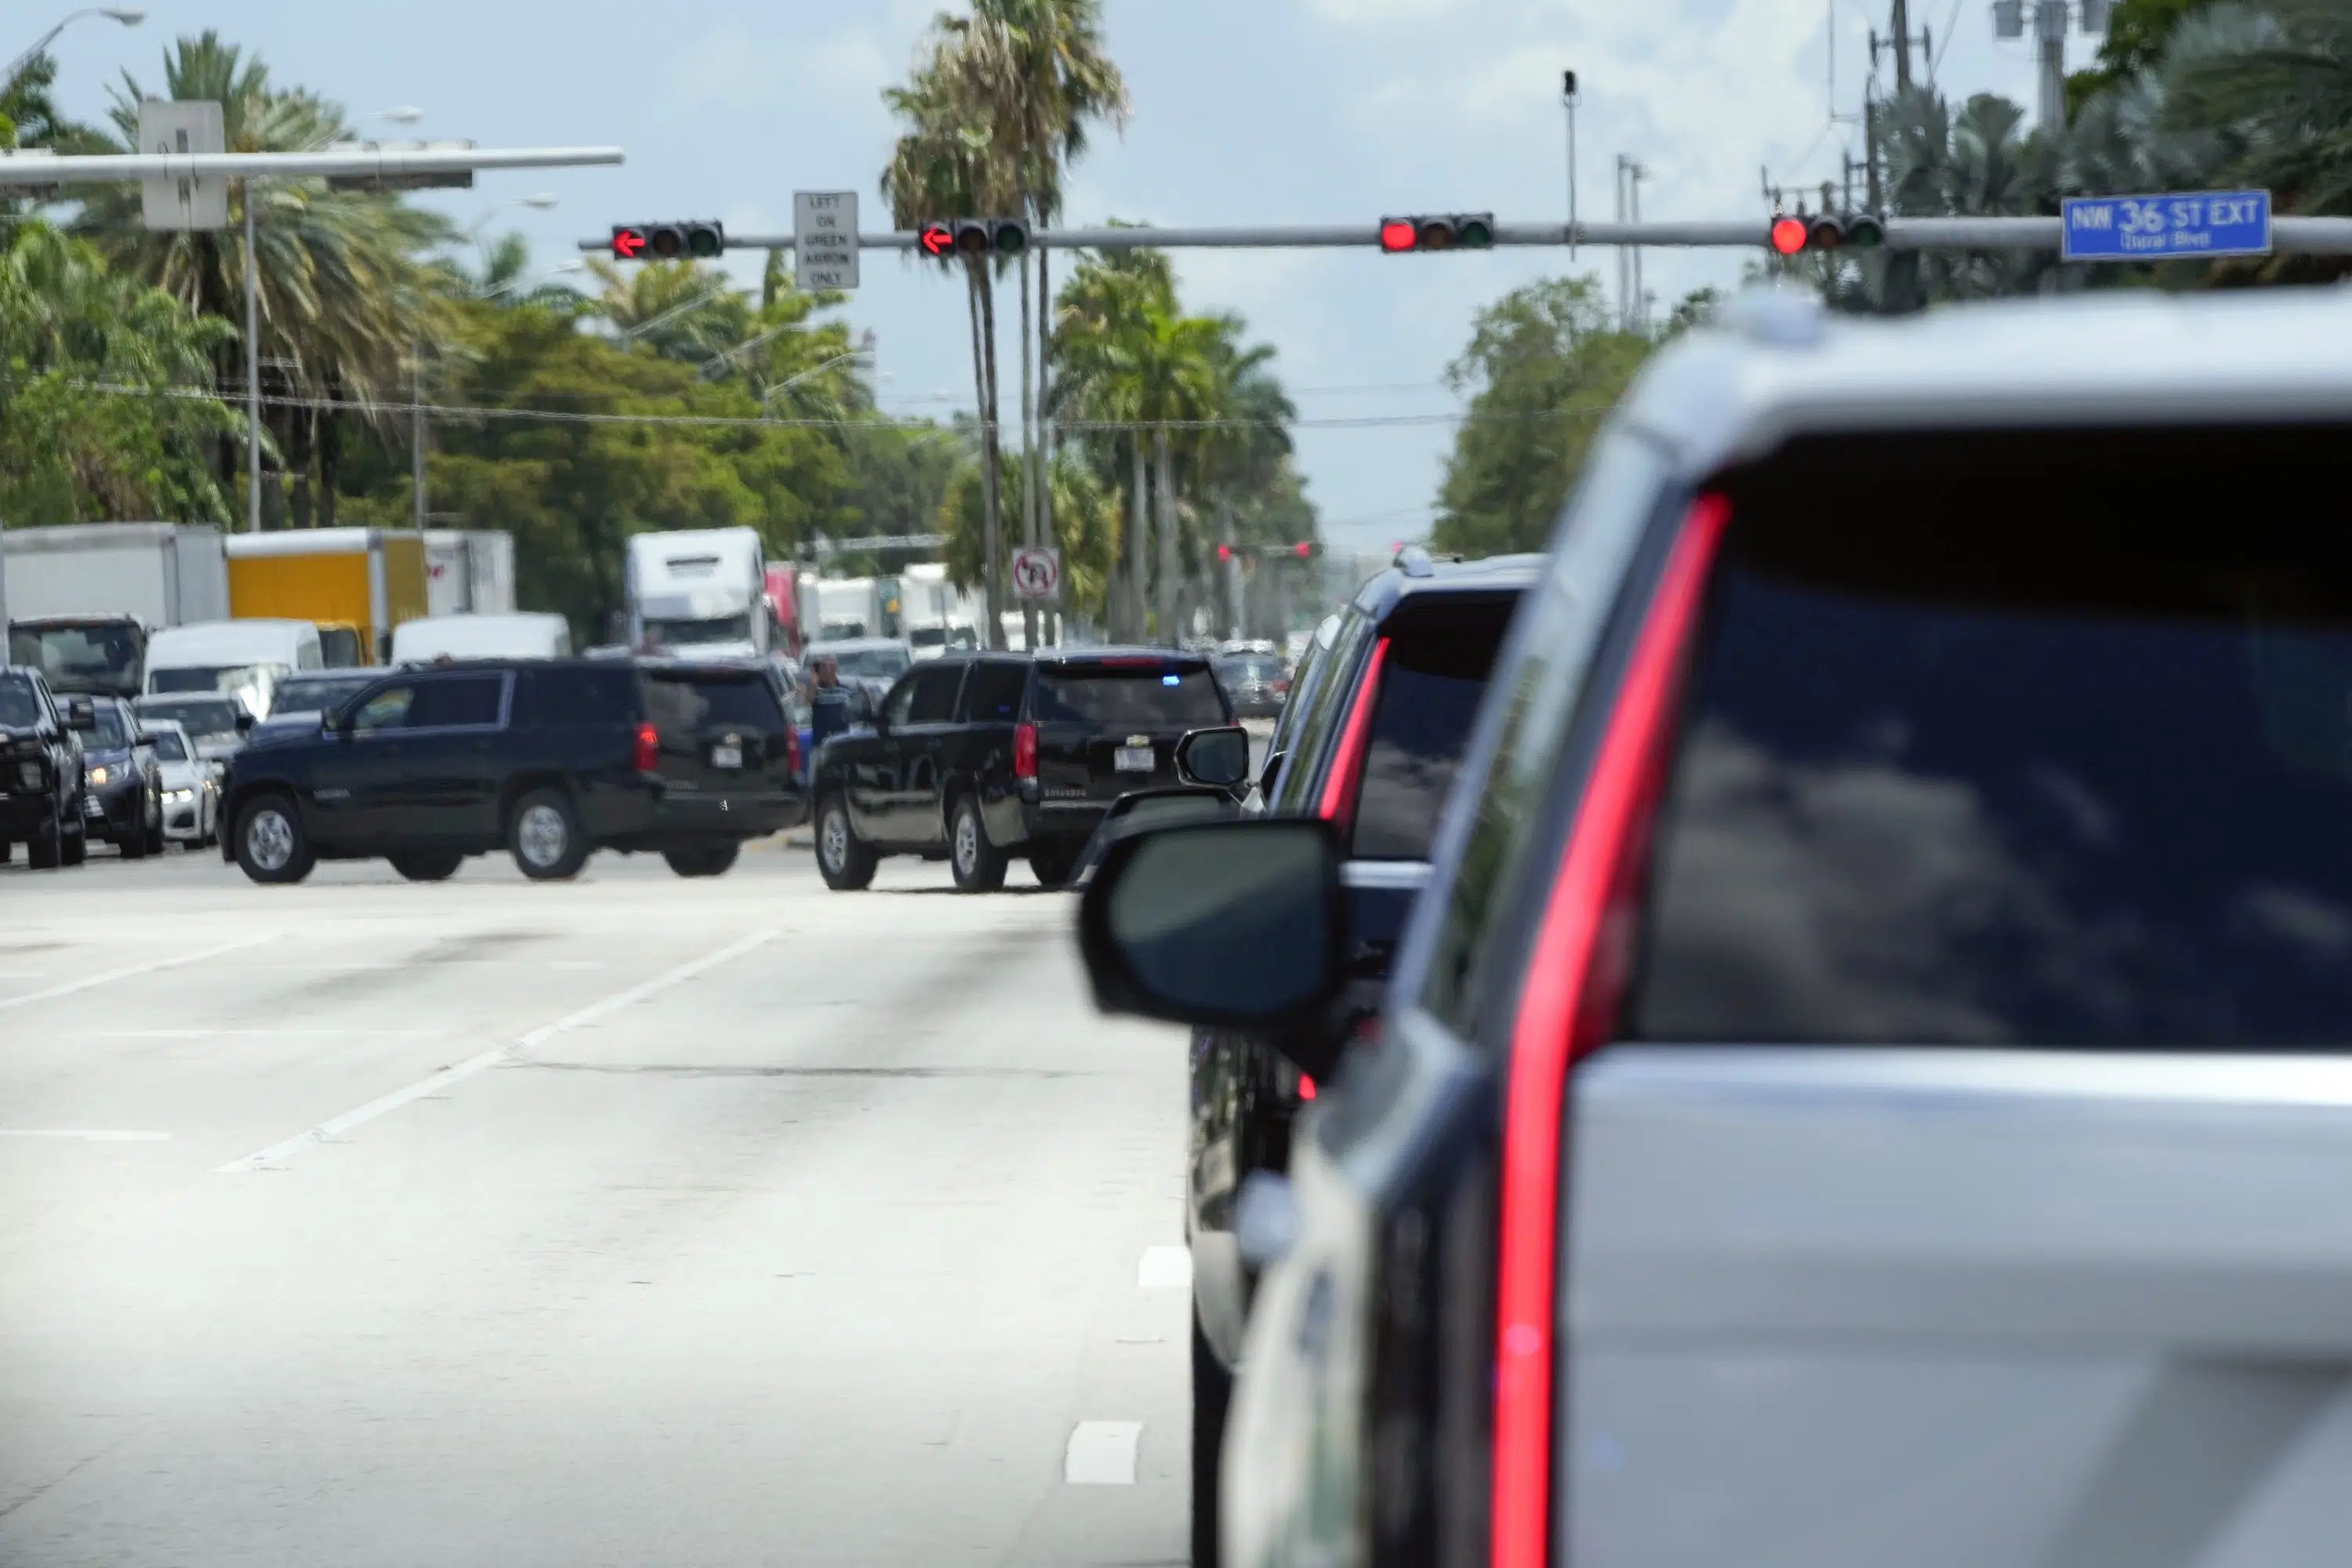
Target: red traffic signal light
936 239
1225 553
1398 233
1438 231
667 241
972 236
1303 549
1788 235
628 242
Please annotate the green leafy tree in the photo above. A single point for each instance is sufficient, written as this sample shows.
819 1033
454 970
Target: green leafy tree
102 418
2137 34
1544 365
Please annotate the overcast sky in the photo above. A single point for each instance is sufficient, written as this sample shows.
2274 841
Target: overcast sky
1244 111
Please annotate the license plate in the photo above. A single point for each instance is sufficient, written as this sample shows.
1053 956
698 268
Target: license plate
725 756
1135 760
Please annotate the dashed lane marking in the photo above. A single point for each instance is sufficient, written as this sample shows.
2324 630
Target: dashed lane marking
91 981
1101 1453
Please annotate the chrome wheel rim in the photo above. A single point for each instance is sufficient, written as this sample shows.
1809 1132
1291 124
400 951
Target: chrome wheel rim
542 836
967 842
834 837
269 839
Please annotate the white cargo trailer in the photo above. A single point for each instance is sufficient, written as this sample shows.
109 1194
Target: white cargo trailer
469 570
82 597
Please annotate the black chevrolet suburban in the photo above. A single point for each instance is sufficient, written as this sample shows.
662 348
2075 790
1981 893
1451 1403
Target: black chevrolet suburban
42 788
550 758
980 759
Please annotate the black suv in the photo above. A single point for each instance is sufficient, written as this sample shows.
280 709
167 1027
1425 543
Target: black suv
980 759
122 802
550 758
40 773
1379 722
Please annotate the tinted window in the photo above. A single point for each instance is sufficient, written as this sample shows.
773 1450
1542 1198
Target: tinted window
567 695
881 663
457 699
111 731
1153 693
167 744
201 716
992 694
1431 684
936 686
384 710
1304 740
2021 766
320 693
691 703
20 705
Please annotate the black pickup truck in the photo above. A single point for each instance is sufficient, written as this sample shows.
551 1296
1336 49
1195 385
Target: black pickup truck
978 760
42 787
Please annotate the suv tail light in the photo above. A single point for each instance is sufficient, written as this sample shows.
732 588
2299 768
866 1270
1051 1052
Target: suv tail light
1338 802
1575 983
792 749
648 748
1024 751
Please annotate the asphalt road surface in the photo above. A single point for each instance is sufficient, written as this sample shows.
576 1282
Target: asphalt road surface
634 1221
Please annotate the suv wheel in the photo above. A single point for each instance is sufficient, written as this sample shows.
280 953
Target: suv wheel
44 848
134 841
75 849
270 844
155 842
544 834
979 865
1213 1392
702 860
428 865
845 863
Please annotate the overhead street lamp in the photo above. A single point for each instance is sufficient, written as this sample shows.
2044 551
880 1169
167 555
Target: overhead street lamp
128 15
864 350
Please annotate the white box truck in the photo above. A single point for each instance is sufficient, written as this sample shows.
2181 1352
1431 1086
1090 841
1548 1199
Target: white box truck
699 594
469 570
84 597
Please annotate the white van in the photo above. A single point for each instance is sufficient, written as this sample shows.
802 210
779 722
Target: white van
245 659
521 635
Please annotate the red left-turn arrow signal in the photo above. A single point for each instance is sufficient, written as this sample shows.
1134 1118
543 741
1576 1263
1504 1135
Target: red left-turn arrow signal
628 244
937 239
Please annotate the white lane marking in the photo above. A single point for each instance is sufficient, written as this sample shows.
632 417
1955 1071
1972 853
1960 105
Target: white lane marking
267 1034
109 977
335 1127
23 973
88 1137
1165 1268
1101 1453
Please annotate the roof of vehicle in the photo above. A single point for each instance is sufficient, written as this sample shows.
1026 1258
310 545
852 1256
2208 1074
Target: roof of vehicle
1778 364
1416 573
1116 653
306 542
230 636
853 644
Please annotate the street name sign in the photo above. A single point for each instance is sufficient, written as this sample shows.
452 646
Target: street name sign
2153 228
824 240
172 128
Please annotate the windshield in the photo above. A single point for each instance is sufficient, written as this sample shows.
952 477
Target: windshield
201 717
254 685
1262 668
19 705
169 748
928 637
864 663
103 655
1144 694
687 633
108 732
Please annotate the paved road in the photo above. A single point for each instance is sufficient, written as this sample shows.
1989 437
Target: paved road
637 1220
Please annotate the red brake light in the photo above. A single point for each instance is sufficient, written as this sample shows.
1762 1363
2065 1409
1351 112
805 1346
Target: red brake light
1024 751
791 748
1305 1086
1575 974
648 748
1339 788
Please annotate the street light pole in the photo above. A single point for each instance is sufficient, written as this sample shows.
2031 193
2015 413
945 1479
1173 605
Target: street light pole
252 370
125 14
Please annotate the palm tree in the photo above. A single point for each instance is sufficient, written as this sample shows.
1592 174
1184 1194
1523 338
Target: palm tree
678 310
347 300
1979 161
1239 463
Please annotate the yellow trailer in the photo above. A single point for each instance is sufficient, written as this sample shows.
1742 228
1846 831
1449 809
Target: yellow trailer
360 582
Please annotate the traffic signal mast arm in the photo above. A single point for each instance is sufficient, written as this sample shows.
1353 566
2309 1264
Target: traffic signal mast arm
29 171
2314 236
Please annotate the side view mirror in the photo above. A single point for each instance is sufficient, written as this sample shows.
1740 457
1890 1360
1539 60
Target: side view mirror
144 737
1217 757
1229 924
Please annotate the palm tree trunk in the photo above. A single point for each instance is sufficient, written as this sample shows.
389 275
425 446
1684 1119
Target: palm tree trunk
1029 534
1167 567
992 470
1138 546
330 457
1044 444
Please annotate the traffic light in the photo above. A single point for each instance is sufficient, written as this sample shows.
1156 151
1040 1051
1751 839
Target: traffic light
941 237
668 241
1829 231
1438 231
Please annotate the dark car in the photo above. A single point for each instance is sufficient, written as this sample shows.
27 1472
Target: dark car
1003 755
1866 1081
1380 721
122 804
1256 682
549 759
40 773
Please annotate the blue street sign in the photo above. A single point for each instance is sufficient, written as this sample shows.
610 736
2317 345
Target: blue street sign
2152 228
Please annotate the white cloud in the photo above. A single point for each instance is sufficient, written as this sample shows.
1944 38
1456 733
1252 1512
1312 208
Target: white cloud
731 70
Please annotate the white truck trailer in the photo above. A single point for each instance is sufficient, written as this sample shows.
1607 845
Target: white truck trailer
83 597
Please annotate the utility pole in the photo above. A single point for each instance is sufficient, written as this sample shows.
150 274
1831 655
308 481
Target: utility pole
252 370
1568 100
2050 17
1630 308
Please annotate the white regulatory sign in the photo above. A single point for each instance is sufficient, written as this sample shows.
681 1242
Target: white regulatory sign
181 129
824 239
1037 573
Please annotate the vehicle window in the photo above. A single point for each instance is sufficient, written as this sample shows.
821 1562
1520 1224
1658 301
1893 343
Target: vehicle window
936 686
1262 668
869 663
168 747
215 717
1541 679
98 654
387 709
2027 770
1430 685
339 646
111 731
320 693
578 696
895 706
1111 694
689 703
1309 738
992 694
19 705
455 700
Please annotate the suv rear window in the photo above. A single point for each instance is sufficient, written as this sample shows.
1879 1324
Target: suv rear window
1138 694
690 702
577 694
1431 681
2057 752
